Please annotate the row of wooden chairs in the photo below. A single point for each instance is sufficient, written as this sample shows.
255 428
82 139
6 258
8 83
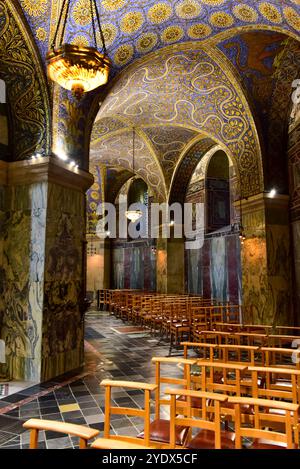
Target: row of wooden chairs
247 338
249 355
241 402
177 433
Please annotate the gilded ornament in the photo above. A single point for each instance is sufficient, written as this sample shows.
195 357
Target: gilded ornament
132 22
95 195
221 19
35 7
159 13
109 33
113 5
41 34
146 42
123 54
172 34
270 12
82 12
188 9
292 17
199 31
245 13
81 41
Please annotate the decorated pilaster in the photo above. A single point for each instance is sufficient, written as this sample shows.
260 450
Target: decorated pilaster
170 265
43 235
266 260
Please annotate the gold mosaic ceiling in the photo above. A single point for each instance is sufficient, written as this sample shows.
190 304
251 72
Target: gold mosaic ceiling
178 101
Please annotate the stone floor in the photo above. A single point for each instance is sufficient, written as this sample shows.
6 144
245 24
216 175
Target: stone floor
111 352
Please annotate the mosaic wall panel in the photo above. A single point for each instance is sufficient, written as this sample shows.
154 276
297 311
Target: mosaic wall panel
63 289
134 267
214 271
23 278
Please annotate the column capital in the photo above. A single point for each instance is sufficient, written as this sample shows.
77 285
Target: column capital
49 169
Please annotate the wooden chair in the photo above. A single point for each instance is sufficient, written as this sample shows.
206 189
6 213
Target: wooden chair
143 413
180 376
281 357
108 443
211 436
83 433
260 427
205 351
279 383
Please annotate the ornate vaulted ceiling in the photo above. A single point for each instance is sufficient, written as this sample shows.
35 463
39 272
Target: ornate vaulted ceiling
186 73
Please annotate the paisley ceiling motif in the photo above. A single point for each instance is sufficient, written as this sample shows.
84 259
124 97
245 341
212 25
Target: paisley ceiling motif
190 89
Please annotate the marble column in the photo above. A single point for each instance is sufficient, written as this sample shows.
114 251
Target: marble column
43 267
266 261
170 265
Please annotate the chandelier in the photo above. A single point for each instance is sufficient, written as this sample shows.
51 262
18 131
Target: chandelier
77 68
133 215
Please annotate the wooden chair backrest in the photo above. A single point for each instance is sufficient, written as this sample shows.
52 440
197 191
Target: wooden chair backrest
143 413
225 377
259 426
279 383
205 421
163 377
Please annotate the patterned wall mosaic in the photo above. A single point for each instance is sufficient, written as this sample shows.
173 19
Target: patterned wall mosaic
187 88
25 84
133 29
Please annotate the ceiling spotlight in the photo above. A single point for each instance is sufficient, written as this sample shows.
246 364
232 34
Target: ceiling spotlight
272 193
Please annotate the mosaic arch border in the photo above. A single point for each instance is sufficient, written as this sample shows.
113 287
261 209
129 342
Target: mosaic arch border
38 81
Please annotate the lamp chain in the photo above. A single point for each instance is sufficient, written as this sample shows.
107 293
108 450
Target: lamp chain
100 28
93 7
93 23
59 21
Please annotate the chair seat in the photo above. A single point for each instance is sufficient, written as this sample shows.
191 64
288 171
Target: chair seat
160 432
260 443
205 439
